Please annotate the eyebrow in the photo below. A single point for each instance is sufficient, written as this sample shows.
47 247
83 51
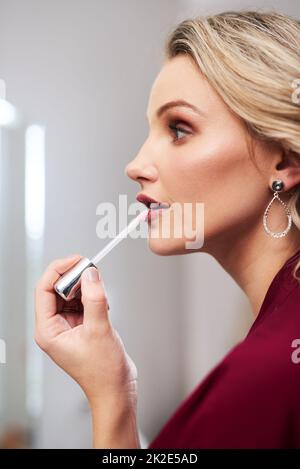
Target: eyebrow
178 103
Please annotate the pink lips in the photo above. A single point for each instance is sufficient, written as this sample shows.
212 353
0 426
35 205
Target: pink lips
153 206
145 199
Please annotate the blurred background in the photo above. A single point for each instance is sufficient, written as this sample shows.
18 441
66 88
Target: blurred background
75 77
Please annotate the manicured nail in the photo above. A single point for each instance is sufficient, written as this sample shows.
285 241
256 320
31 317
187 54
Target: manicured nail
92 274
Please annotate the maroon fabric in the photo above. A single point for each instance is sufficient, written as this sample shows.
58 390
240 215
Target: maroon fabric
251 399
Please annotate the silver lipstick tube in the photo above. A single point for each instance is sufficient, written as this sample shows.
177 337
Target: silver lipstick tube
68 286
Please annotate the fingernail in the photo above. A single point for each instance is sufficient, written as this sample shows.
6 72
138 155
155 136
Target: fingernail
92 274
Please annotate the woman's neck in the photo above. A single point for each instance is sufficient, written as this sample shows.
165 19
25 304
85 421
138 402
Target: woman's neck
254 261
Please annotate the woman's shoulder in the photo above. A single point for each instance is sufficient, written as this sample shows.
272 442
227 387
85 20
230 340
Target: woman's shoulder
270 353
251 397
268 359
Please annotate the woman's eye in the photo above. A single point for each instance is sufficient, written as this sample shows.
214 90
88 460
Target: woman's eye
177 130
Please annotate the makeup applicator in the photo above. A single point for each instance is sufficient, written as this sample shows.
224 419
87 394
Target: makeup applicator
68 285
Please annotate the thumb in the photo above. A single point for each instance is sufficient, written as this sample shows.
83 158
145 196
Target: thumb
93 298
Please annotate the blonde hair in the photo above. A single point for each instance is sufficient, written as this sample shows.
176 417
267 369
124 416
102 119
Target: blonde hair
252 59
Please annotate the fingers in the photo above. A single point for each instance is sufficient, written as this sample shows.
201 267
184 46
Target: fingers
93 299
55 269
45 297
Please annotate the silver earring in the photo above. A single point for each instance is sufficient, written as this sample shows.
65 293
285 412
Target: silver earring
277 186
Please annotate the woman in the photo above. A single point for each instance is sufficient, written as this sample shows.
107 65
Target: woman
224 130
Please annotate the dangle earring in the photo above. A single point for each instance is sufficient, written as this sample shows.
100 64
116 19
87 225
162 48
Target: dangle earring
277 186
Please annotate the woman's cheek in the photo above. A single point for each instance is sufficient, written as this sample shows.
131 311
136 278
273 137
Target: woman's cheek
194 172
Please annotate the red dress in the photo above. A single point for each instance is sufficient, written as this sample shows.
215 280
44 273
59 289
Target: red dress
251 399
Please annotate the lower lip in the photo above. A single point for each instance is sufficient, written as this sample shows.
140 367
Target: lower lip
154 213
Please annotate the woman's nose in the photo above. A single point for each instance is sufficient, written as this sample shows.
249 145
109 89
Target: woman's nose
139 171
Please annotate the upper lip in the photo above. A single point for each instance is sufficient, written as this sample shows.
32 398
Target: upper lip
145 199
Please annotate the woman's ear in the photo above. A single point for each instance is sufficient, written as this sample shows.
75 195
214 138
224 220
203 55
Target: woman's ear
288 169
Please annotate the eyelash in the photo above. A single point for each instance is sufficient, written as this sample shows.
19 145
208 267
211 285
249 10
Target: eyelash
174 127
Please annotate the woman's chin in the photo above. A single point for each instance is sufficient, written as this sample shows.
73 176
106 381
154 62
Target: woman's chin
166 246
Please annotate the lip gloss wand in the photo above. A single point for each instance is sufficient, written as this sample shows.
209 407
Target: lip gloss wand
68 285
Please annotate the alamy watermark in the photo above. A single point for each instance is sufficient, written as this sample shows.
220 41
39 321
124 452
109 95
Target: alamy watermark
296 353
178 220
296 93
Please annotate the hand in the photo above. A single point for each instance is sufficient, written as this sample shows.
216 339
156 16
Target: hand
80 338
